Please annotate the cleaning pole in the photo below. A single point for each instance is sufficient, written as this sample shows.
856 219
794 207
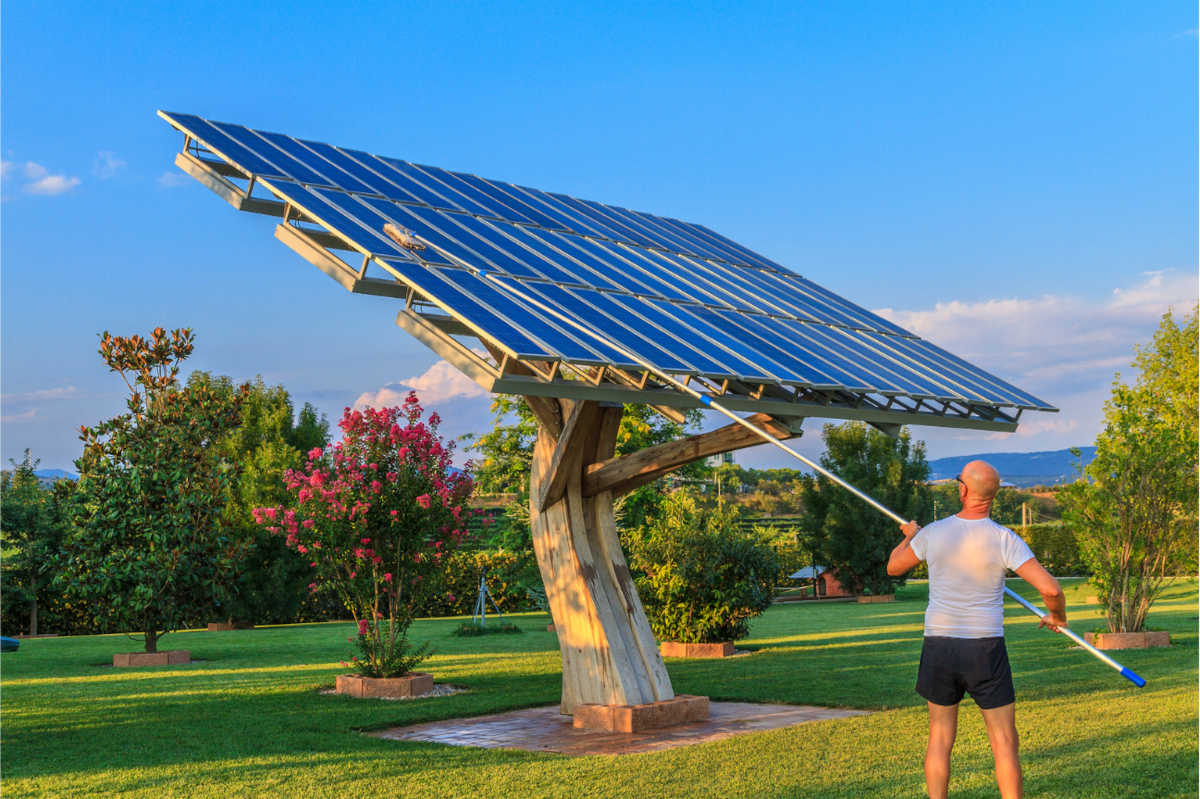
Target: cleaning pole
770 439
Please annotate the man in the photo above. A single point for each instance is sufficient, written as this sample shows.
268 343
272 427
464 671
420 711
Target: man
968 555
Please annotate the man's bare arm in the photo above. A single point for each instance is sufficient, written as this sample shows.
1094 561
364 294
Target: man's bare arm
1033 573
903 558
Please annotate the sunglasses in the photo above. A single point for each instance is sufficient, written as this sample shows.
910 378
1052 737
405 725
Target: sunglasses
959 479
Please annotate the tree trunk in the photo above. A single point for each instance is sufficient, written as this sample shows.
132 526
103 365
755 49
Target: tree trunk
151 640
33 615
609 654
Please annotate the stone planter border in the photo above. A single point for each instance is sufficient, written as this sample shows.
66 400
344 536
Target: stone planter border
1142 640
867 600
226 626
410 685
675 649
168 657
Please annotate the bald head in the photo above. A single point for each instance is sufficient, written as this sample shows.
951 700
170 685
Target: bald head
981 480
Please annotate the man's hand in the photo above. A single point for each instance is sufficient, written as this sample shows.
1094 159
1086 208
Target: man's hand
1054 621
910 529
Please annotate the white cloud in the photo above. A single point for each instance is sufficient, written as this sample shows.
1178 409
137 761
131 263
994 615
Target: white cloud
52 184
37 179
1061 348
23 416
61 392
107 165
170 179
440 383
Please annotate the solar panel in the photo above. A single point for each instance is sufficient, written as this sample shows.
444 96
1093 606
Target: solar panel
533 277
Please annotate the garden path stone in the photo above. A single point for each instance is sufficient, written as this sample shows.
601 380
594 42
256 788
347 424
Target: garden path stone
545 729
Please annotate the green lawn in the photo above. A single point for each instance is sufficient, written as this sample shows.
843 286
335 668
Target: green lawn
249 721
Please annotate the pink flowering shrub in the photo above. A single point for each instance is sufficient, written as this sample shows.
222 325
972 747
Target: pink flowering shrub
376 514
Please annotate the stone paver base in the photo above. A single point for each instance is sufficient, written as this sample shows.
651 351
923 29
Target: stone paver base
167 657
867 599
546 730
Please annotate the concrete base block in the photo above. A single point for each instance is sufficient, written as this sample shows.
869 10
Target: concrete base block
866 600
683 709
410 685
168 657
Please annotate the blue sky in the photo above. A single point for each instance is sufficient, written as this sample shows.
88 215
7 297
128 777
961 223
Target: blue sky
1016 182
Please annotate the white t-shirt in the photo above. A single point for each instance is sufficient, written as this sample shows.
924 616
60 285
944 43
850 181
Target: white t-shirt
967 561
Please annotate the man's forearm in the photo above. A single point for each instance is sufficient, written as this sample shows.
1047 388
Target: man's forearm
1056 603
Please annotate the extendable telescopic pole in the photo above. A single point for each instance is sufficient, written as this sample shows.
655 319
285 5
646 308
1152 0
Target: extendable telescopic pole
770 439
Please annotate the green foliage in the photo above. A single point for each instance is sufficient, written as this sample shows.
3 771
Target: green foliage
1055 547
702 578
853 538
508 573
1134 509
506 452
31 532
385 649
148 550
268 582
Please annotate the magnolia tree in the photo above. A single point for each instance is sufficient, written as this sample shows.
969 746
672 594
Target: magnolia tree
376 514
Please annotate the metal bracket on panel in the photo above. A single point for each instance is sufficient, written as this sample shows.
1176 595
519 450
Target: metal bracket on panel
209 174
891 430
316 255
457 354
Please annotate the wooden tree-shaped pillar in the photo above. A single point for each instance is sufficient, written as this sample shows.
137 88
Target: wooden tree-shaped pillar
613 675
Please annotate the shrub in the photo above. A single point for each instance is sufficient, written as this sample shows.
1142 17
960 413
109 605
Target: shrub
377 513
702 579
457 584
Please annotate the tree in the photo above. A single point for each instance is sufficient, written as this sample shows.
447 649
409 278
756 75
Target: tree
268 581
376 513
1133 509
31 531
856 538
148 549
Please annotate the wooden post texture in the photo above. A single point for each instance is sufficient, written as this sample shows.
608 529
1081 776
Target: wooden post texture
609 655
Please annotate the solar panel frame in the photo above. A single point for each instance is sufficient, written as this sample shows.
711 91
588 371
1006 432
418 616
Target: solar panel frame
677 294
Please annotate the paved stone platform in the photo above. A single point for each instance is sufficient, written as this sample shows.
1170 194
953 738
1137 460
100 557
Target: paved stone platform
544 729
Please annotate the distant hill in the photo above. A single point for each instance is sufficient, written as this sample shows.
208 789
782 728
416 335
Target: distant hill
1022 469
55 474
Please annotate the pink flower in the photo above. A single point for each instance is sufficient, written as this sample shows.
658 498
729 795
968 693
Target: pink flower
314 453
387 577
422 500
353 575
365 541
395 513
307 524
363 626
312 587
270 513
303 550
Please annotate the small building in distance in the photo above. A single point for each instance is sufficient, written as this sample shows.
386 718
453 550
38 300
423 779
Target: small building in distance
827 585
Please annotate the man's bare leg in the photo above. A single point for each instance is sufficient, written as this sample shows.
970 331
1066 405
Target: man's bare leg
1002 734
943 726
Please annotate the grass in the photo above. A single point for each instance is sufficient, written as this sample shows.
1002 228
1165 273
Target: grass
249 719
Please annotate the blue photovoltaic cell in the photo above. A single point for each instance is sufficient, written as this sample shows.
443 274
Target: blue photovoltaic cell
678 294
432 283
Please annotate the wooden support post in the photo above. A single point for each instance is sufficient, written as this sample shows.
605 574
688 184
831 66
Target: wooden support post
621 475
609 655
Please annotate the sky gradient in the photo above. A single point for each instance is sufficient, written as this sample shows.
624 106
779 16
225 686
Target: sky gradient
1017 184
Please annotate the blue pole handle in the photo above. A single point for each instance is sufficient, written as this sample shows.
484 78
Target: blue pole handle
1074 636
1132 677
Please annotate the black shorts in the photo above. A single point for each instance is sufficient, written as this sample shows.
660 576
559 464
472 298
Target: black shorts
977 666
